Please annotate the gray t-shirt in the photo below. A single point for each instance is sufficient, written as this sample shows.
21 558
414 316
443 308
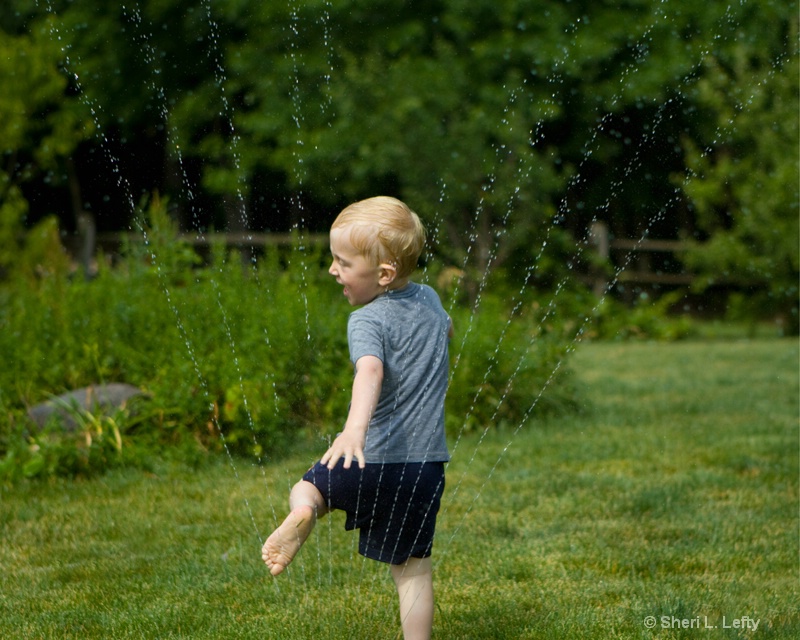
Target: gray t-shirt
407 330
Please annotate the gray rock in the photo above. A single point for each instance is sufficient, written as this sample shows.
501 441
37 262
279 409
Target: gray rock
101 398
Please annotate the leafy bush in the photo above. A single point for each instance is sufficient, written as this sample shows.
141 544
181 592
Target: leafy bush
647 318
506 366
251 358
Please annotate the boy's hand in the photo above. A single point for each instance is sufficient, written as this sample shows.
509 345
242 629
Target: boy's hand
347 445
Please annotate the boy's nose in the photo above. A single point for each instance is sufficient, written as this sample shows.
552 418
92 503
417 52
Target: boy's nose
332 269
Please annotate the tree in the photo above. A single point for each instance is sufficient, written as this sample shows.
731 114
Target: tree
506 124
40 127
742 181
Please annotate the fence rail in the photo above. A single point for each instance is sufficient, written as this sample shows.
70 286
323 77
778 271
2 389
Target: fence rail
639 252
240 239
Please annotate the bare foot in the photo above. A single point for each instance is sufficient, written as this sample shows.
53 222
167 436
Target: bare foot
284 543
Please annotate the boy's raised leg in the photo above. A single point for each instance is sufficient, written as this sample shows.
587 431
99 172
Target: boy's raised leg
281 547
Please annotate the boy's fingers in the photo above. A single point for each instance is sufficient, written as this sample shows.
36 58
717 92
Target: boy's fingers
361 460
334 454
330 458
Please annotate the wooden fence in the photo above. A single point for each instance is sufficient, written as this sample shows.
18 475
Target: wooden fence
241 240
636 255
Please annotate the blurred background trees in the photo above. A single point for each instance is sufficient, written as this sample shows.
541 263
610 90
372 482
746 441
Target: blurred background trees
508 125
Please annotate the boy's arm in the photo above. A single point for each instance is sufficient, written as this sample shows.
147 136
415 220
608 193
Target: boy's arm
349 443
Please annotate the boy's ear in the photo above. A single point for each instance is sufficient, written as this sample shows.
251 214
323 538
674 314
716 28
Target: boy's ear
388 273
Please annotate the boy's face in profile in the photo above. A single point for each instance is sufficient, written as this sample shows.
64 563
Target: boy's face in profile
363 281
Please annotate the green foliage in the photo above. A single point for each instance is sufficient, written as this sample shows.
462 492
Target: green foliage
488 118
251 357
94 444
216 349
645 319
744 186
506 367
40 126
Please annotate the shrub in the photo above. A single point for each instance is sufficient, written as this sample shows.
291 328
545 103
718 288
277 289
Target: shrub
506 366
253 358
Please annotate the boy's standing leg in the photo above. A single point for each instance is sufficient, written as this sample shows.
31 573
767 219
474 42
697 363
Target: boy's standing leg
306 504
414 581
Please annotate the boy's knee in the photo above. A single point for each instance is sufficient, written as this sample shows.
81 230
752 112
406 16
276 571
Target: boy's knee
305 493
412 568
304 486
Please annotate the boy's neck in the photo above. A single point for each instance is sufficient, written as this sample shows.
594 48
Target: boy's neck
397 285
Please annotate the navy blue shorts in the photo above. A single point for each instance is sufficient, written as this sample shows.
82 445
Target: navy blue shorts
394 506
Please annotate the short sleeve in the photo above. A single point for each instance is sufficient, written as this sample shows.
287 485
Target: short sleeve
365 336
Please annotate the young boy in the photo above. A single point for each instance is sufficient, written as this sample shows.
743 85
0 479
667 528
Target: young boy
398 344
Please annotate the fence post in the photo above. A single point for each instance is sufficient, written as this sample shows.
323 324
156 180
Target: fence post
87 239
598 237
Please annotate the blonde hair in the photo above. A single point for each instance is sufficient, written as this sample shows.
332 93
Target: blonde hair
384 230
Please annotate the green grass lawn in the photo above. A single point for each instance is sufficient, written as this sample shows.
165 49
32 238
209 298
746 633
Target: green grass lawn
673 494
